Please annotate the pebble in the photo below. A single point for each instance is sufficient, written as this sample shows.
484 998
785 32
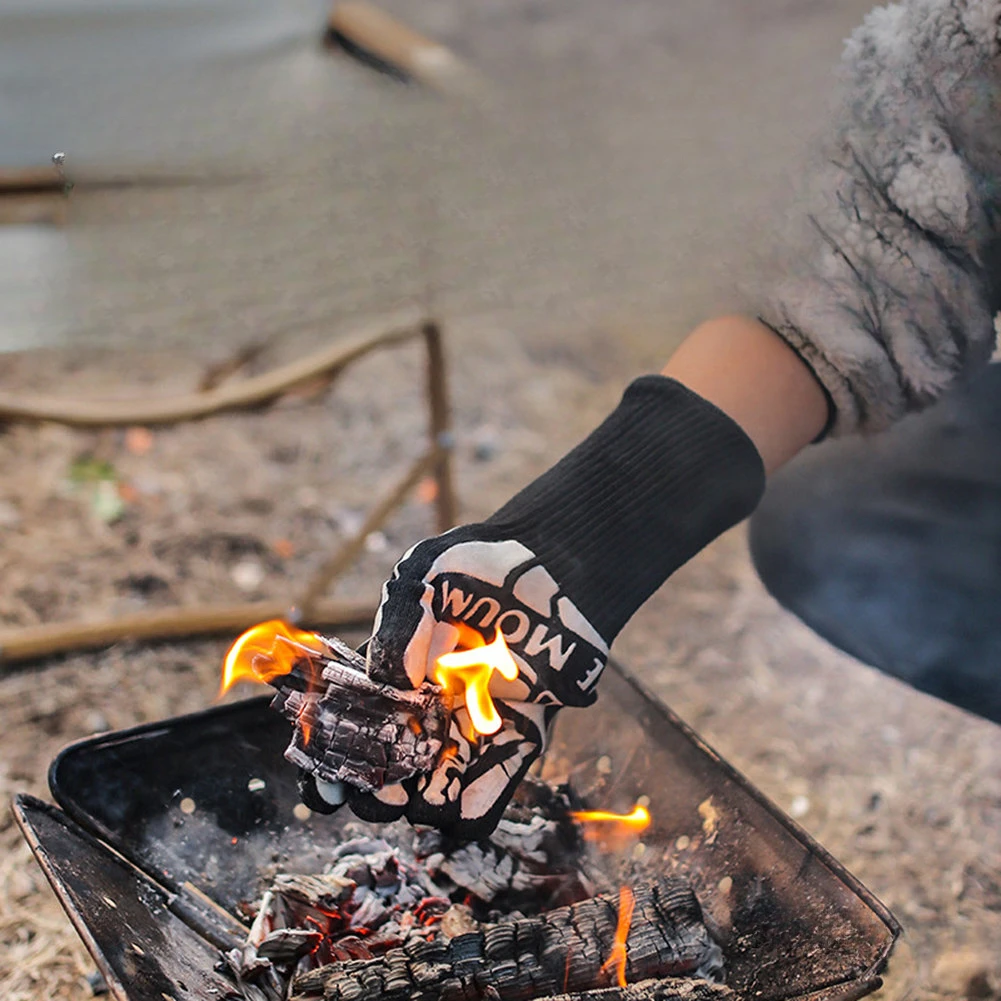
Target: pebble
376 542
10 516
247 575
96 722
799 807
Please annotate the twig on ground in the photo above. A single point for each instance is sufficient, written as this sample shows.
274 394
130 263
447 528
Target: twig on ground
251 392
36 642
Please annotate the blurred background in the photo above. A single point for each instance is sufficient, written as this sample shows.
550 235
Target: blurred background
232 184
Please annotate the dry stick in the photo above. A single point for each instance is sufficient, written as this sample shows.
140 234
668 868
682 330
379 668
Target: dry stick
48 179
366 30
344 556
251 392
440 426
34 642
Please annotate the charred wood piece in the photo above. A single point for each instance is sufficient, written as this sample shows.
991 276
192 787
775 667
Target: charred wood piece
349 728
563 950
286 945
669 989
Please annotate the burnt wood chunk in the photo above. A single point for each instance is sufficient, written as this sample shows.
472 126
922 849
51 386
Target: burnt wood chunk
349 728
669 989
561 951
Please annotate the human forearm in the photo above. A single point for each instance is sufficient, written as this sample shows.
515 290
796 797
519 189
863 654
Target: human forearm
756 379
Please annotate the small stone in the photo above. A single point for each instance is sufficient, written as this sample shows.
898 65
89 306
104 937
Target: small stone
187 806
604 765
10 516
799 807
308 498
248 575
376 542
96 722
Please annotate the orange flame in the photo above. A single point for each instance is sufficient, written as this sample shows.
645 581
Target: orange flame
470 671
624 824
617 957
267 651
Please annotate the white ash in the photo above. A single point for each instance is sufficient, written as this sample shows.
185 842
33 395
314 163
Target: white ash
378 893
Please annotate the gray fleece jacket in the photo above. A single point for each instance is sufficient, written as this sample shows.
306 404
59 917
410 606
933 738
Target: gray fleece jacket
900 268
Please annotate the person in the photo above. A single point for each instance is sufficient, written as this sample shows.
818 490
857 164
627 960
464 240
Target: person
892 301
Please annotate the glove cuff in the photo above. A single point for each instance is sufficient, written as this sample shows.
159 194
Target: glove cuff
664 475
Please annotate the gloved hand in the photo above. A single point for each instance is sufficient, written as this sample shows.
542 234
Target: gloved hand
558 570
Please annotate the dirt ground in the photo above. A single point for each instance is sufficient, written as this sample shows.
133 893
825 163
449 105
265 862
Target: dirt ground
566 253
905 791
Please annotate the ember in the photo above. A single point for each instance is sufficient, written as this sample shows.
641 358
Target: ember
515 917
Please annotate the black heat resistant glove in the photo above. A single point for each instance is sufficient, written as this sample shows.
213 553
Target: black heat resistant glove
559 570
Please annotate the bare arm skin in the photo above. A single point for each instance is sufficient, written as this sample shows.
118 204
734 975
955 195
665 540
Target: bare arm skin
754 377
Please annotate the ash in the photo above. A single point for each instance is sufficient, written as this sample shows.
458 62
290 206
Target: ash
378 894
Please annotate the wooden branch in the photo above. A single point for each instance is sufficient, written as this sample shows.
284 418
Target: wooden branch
30 180
561 950
248 393
34 642
440 426
346 555
365 31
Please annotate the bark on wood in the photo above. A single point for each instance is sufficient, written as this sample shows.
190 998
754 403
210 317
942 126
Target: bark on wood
348 728
562 950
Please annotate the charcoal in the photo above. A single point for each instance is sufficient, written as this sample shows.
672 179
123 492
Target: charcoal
668 989
286 945
458 920
561 950
326 892
349 728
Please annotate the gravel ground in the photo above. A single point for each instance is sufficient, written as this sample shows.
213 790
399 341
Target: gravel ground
567 246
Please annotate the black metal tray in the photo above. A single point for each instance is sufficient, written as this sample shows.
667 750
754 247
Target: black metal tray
166 828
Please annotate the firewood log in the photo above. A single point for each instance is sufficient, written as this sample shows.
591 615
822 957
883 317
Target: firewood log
563 950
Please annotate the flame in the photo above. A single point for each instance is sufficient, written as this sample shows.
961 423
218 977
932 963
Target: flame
624 824
470 671
267 651
617 957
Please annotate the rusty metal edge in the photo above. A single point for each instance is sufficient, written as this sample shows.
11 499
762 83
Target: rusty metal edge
115 986
822 854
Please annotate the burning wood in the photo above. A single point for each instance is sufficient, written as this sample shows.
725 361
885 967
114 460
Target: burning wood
347 728
563 950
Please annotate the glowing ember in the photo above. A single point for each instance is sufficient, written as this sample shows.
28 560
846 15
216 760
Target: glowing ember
468 672
617 957
267 651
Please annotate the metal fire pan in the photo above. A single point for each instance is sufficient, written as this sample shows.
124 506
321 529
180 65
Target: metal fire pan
166 828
